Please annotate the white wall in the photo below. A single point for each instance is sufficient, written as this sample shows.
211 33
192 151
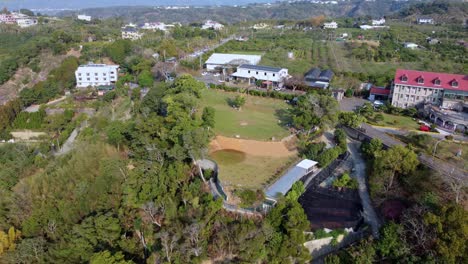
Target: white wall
262 75
95 75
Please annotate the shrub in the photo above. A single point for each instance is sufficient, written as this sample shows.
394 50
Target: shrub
345 181
249 197
378 117
349 93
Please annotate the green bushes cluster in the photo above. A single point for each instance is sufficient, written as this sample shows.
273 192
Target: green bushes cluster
26 120
345 181
331 154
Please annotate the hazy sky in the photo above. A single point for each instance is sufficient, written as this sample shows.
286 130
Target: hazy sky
76 4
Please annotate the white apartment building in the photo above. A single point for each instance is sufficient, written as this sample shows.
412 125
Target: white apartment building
96 75
84 18
209 24
276 76
331 25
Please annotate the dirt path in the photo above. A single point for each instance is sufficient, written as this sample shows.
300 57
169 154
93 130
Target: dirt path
360 171
251 147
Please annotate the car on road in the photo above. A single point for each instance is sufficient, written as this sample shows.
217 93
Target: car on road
221 81
278 89
216 74
204 73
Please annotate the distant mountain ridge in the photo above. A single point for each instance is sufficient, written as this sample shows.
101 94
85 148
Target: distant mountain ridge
82 4
232 14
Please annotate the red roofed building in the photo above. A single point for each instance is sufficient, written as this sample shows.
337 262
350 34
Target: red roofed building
378 93
444 96
411 88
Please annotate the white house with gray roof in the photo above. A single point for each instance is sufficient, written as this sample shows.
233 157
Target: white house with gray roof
271 75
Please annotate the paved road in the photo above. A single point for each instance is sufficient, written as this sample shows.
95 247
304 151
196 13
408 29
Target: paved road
199 53
350 104
369 214
68 145
397 131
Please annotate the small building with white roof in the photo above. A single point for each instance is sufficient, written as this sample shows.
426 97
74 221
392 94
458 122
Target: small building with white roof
285 183
221 60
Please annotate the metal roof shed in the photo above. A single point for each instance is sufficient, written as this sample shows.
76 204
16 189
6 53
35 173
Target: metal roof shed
284 184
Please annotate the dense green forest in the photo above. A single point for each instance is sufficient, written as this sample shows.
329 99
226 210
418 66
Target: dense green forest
96 205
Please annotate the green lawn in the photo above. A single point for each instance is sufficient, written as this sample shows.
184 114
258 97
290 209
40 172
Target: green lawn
248 171
397 121
258 118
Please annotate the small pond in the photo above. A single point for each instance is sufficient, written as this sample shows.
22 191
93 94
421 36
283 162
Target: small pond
228 156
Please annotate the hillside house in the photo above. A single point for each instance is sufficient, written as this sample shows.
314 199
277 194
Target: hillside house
378 22
131 33
268 75
209 24
425 20
96 75
157 26
84 18
26 22
330 25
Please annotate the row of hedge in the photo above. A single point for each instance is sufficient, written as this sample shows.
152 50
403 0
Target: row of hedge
271 94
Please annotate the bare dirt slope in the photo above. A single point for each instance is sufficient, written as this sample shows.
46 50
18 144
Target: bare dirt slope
26 78
251 147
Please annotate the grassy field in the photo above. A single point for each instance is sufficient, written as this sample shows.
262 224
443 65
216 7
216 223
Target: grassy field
248 171
258 118
448 151
397 121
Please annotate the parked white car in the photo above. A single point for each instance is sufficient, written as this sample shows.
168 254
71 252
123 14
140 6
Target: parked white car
204 73
216 74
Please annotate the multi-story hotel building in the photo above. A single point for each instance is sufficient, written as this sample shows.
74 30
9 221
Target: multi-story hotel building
442 95
96 75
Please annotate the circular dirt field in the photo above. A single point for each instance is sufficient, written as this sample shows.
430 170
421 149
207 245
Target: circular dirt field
251 147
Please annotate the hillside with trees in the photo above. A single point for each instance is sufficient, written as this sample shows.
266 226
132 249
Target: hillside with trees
233 14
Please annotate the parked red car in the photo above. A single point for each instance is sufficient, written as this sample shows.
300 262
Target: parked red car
424 128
